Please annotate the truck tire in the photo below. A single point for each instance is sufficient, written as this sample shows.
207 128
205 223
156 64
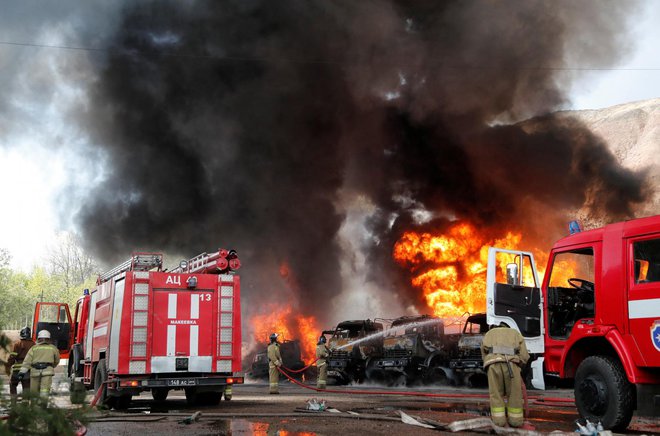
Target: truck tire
100 376
159 394
195 398
123 401
437 374
211 398
603 393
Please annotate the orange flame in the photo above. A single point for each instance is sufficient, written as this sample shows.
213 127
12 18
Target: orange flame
281 320
456 282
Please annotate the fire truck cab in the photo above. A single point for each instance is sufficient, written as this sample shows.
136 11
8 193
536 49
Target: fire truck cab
145 329
594 320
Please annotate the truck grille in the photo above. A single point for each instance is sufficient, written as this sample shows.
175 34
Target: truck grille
336 354
471 353
396 353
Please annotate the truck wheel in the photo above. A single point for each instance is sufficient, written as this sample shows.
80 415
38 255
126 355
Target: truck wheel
195 398
603 393
436 376
159 394
122 402
100 376
211 398
192 397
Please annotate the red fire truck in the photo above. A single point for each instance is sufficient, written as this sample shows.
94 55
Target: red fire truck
595 319
143 328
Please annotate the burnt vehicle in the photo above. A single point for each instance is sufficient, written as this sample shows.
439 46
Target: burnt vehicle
352 343
290 351
415 350
468 364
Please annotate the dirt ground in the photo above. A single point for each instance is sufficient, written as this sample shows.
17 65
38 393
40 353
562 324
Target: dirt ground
253 412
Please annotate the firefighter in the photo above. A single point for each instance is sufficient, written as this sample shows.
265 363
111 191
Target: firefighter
228 393
19 350
41 361
322 352
274 362
504 353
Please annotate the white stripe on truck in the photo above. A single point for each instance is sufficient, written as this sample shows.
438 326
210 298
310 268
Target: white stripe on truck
171 306
194 340
171 340
194 306
649 308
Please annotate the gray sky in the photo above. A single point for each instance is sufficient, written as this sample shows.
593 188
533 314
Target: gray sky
638 77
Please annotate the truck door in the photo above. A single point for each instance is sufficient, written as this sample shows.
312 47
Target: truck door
183 326
513 296
55 318
644 296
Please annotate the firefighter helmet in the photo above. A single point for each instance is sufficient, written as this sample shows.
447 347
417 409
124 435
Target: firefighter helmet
26 333
322 339
273 337
43 334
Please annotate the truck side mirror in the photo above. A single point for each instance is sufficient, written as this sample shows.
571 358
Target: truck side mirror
512 277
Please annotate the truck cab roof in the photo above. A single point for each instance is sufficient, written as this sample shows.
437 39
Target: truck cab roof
636 227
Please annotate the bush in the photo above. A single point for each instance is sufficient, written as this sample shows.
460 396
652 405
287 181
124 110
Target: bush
35 416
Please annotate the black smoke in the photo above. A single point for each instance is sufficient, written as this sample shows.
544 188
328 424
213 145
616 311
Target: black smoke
238 123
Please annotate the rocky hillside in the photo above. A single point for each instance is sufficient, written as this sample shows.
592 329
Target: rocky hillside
632 131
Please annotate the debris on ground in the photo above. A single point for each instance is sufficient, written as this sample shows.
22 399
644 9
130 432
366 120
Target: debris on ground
316 405
407 419
589 428
192 418
469 424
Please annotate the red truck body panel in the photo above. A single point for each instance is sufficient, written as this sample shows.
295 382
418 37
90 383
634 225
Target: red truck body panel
142 328
142 322
626 312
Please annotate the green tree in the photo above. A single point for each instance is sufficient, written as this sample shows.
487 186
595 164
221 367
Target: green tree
15 308
69 261
68 271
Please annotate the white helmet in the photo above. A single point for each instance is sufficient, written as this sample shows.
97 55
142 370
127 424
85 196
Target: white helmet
43 334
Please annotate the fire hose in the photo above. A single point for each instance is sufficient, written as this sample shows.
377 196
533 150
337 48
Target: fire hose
295 371
543 400
360 392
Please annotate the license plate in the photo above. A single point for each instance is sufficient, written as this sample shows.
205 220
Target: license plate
181 382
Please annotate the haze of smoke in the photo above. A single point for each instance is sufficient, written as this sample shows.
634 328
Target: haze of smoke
239 124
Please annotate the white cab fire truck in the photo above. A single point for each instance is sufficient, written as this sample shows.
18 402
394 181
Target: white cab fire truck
594 320
143 328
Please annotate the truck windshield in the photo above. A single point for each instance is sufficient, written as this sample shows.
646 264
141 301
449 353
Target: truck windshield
347 334
570 291
647 261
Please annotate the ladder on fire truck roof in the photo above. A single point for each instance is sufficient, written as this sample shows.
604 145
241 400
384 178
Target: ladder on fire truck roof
219 261
137 262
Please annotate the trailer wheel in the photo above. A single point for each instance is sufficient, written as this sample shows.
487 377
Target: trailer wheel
603 393
100 376
159 394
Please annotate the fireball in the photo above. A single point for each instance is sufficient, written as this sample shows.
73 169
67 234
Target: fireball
450 268
290 325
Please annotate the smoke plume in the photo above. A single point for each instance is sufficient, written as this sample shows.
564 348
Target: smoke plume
239 124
